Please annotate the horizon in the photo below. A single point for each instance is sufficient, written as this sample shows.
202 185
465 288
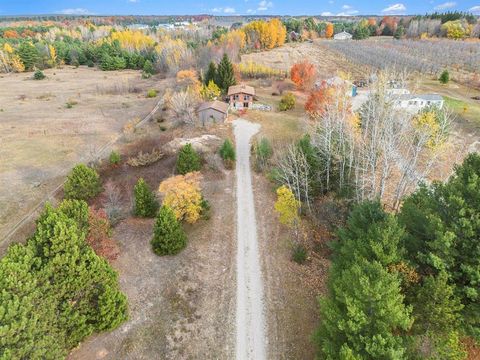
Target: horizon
241 8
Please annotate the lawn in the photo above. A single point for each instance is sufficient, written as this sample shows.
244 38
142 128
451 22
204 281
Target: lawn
468 111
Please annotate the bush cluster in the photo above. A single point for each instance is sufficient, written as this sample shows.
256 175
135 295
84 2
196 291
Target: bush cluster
83 183
287 102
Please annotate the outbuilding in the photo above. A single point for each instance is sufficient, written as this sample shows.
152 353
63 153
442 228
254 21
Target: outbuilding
212 112
343 36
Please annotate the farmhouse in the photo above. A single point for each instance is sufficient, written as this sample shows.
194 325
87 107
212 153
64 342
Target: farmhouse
212 112
343 36
413 102
241 96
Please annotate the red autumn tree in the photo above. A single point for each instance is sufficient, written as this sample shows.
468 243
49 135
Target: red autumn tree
10 34
303 75
99 235
329 30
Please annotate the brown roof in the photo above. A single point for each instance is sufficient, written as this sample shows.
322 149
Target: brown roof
216 105
241 89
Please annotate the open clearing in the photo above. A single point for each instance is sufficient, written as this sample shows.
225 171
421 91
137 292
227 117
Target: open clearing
48 126
327 62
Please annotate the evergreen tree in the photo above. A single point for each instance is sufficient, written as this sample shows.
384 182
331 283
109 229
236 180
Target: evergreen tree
225 74
443 227
148 67
188 160
28 54
211 74
83 183
227 153
444 77
168 235
363 315
146 205
55 290
399 32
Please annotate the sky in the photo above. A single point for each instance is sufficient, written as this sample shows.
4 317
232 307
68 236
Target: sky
238 7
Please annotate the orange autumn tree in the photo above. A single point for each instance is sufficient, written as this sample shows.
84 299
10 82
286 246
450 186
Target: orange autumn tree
318 100
303 75
329 30
183 195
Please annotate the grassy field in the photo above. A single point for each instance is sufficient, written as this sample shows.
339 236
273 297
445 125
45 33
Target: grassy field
47 126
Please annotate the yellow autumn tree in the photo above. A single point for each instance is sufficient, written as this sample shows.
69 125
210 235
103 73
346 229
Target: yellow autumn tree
132 40
17 64
428 125
211 91
287 206
262 34
182 193
188 79
53 55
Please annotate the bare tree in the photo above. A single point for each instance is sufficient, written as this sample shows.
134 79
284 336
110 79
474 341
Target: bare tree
183 105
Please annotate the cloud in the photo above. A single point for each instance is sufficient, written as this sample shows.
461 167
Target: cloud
346 7
227 10
133 1
348 13
475 10
76 11
326 13
447 5
395 9
264 5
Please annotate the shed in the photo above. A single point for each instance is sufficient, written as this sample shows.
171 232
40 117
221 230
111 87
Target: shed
212 112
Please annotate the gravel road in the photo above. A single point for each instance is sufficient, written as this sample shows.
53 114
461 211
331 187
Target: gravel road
250 323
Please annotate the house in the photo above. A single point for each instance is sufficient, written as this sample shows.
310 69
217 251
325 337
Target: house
212 112
415 103
343 36
337 81
241 96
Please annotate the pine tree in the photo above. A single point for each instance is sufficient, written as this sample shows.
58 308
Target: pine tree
188 160
444 77
168 235
225 74
363 315
28 54
227 153
211 74
146 205
83 183
148 67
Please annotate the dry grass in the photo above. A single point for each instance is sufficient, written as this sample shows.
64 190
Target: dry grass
327 62
41 139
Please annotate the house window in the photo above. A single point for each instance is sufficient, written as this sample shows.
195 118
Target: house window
246 97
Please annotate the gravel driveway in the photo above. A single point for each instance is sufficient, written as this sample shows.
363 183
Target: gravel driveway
250 322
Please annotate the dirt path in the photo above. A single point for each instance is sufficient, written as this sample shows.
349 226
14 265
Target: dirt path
250 323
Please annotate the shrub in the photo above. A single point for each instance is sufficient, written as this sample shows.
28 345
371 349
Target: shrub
83 183
112 203
38 75
145 159
152 93
227 152
444 77
287 102
299 254
90 63
168 235
99 235
188 160
146 205
114 158
69 104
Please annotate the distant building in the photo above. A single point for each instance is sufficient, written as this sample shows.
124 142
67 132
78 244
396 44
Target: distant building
415 102
212 112
398 91
343 36
241 96
337 81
